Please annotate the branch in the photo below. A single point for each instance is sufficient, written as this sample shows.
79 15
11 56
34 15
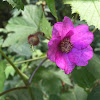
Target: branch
23 76
18 88
31 78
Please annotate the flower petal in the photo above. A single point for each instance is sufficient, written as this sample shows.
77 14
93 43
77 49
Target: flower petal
80 57
53 47
62 28
82 37
63 62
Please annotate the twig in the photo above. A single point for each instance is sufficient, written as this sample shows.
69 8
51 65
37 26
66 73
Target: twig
18 88
31 78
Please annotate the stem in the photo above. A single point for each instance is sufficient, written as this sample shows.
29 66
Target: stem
31 78
30 92
18 88
29 60
75 18
94 30
47 38
23 77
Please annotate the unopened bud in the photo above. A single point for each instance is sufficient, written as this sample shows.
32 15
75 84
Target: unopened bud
33 39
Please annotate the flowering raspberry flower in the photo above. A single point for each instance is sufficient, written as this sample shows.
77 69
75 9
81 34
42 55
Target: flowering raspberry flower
70 45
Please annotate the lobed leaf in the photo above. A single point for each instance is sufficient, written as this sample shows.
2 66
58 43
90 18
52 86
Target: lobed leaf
23 26
88 10
46 27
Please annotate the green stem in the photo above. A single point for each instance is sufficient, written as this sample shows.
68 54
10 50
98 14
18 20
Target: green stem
47 38
94 30
30 60
30 92
75 18
23 76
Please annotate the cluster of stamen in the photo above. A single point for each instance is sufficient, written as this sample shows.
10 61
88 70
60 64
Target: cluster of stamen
65 45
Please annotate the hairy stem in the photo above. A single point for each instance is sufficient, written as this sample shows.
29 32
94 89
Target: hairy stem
31 78
23 76
18 88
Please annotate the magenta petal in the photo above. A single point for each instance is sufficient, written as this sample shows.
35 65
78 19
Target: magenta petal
62 28
53 47
63 62
57 29
81 57
82 37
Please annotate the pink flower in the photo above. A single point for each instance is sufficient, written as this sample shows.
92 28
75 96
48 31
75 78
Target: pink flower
70 45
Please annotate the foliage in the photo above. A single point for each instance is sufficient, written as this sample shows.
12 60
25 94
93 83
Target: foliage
51 5
88 10
46 27
95 93
49 82
23 26
2 75
16 3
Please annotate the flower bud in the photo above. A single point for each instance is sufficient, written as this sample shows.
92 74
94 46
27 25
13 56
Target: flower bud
33 39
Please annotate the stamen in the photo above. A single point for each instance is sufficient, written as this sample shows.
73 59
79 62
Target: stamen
65 45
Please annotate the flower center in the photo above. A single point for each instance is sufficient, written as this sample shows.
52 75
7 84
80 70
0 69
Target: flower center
65 45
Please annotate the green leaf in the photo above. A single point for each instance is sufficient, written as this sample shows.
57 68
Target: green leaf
95 94
16 3
51 5
50 79
2 30
23 49
61 75
2 75
54 97
51 85
46 27
50 82
83 77
1 41
77 94
23 26
94 66
9 71
37 53
88 10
